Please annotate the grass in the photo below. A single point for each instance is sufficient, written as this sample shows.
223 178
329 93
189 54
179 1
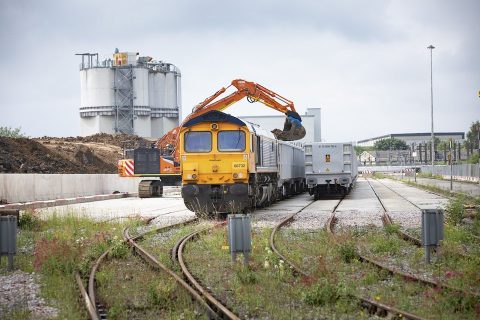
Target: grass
130 289
266 288
341 274
57 246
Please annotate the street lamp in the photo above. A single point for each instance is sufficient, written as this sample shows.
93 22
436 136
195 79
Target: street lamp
431 100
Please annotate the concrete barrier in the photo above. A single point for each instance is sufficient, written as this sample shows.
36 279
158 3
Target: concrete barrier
28 187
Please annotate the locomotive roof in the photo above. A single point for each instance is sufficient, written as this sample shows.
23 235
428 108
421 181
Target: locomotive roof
214 116
218 116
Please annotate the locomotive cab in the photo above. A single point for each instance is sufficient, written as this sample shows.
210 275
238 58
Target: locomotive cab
215 153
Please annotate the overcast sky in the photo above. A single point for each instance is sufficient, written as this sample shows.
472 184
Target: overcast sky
365 63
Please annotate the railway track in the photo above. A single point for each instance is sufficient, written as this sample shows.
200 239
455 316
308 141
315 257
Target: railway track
221 311
95 309
387 220
374 307
330 228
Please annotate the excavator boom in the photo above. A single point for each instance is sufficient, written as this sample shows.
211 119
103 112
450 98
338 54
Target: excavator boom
293 130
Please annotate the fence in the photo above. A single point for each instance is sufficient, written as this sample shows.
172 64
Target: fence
462 172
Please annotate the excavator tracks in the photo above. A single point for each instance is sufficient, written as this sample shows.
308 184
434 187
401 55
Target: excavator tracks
150 189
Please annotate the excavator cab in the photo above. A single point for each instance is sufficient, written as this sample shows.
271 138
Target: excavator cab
292 128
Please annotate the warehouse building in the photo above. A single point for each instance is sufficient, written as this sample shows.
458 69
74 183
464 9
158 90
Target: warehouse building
415 138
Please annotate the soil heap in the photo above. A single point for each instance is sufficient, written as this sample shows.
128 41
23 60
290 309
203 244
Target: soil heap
98 153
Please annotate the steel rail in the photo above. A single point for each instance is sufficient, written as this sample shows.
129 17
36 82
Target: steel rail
387 220
364 301
91 278
158 265
220 309
329 226
272 240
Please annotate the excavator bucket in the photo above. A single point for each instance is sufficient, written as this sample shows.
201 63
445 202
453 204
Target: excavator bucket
292 130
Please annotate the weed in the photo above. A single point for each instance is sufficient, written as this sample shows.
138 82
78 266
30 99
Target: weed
392 228
161 294
115 311
321 294
54 256
119 250
347 251
246 276
455 210
29 221
387 244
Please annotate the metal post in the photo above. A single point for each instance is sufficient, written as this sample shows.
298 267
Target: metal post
427 254
431 100
451 166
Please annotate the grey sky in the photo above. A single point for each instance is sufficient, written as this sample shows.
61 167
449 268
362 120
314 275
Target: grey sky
365 63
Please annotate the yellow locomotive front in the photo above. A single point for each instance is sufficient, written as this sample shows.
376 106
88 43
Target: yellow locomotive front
215 153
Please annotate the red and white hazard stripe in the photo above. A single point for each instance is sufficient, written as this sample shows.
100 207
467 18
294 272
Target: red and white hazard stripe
129 168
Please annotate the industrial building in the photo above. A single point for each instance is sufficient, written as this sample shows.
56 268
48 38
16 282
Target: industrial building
415 138
128 94
311 120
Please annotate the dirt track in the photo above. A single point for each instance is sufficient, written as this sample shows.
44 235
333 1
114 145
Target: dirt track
93 154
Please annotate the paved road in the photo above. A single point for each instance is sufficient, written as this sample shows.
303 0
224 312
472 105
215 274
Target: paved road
472 189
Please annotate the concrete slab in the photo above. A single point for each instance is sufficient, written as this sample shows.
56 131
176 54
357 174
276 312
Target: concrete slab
108 209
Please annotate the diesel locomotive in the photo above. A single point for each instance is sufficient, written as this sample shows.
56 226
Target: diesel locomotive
229 165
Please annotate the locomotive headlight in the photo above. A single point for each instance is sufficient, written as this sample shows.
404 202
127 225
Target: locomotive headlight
191 176
238 175
235 175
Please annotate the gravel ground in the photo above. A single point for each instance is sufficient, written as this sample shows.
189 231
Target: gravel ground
270 216
20 290
359 208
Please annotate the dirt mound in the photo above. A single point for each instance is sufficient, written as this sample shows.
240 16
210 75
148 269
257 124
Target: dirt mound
119 140
92 154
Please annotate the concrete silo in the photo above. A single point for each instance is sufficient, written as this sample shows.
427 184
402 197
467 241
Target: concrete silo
128 94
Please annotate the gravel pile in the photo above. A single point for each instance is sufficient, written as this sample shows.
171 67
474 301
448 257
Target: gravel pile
20 290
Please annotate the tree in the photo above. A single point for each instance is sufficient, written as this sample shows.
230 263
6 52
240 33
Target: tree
472 135
390 144
11 132
359 150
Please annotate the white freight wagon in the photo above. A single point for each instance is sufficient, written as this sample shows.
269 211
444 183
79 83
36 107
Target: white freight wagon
330 168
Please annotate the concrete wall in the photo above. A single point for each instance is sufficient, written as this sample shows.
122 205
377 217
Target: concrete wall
34 187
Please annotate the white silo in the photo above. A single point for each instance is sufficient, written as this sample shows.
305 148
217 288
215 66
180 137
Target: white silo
129 94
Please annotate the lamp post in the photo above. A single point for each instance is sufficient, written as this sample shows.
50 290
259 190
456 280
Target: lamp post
431 100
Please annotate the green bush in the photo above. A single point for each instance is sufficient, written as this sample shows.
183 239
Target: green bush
11 132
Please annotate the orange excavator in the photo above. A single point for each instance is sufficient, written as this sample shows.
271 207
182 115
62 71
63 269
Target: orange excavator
163 160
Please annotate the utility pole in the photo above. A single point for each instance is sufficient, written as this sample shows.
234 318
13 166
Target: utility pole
431 100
